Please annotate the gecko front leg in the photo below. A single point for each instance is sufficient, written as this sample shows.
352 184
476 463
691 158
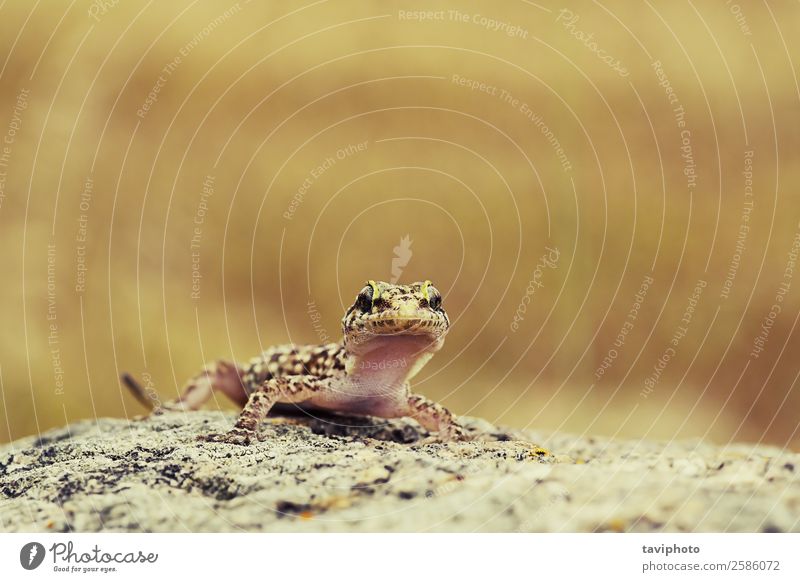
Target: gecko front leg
286 389
434 416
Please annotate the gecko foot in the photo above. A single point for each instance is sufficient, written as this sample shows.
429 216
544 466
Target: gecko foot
452 434
455 432
161 409
235 436
144 417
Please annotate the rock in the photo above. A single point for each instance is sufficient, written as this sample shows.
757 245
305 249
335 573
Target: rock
346 474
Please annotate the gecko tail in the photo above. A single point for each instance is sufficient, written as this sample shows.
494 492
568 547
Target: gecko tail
138 392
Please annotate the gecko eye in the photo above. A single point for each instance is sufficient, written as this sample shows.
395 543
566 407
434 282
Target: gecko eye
366 297
434 298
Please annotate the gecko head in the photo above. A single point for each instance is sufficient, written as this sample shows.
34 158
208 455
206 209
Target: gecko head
384 312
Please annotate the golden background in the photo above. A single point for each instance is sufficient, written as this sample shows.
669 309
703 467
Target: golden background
489 132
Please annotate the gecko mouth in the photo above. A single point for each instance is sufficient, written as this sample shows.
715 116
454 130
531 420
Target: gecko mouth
410 341
395 325
425 330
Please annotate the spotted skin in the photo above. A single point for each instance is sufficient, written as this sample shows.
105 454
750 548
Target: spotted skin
293 360
434 416
389 333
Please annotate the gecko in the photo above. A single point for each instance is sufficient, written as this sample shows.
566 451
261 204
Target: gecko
388 334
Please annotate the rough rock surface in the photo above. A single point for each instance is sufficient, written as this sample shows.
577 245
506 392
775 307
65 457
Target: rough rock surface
350 475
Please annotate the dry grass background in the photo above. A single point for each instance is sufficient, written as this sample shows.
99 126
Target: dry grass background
270 91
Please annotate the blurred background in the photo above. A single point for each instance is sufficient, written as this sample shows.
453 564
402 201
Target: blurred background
606 194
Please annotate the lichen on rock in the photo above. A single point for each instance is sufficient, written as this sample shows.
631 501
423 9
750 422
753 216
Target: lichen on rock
347 474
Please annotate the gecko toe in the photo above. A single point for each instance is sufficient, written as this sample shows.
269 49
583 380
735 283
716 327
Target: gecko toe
232 437
455 434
